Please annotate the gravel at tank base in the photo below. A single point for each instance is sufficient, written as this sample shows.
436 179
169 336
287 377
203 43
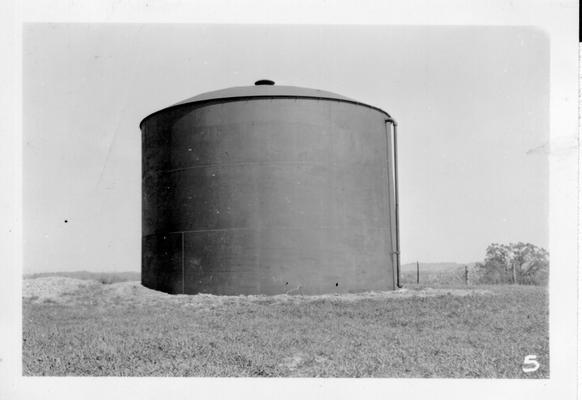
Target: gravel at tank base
67 290
347 297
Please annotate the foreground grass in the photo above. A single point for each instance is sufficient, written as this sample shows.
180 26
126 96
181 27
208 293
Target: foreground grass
444 336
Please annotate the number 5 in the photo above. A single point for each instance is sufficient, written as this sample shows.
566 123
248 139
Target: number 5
530 364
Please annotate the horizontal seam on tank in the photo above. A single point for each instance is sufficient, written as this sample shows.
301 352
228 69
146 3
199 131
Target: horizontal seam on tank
380 228
239 164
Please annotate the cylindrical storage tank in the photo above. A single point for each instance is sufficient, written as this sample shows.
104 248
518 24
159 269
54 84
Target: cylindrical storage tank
268 189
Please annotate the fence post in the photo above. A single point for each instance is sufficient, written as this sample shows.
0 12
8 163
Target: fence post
417 273
466 275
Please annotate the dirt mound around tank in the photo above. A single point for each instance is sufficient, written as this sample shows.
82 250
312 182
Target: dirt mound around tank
55 289
132 290
70 291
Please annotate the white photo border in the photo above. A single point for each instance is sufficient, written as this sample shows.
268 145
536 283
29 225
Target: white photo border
559 19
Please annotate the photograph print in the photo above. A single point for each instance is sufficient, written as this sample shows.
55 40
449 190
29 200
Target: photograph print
285 201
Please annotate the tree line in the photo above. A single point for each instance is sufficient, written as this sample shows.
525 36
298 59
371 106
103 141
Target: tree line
514 263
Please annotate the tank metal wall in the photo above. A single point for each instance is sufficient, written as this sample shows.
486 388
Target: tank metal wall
267 196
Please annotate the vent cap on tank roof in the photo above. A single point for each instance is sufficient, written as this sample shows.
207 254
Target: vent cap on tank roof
261 82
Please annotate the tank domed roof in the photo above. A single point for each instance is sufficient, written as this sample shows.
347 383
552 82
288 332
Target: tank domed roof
264 88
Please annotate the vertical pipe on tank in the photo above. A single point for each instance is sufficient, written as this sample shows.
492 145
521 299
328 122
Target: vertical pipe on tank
396 209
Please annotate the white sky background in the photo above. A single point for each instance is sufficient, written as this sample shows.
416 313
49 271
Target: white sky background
470 102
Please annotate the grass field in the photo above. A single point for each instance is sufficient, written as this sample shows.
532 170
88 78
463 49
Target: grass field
123 329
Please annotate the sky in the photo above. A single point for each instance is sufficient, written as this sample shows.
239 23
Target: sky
472 105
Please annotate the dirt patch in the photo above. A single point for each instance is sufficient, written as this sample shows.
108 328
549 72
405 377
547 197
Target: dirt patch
302 364
293 362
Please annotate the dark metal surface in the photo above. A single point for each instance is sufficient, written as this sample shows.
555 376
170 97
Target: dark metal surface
267 196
